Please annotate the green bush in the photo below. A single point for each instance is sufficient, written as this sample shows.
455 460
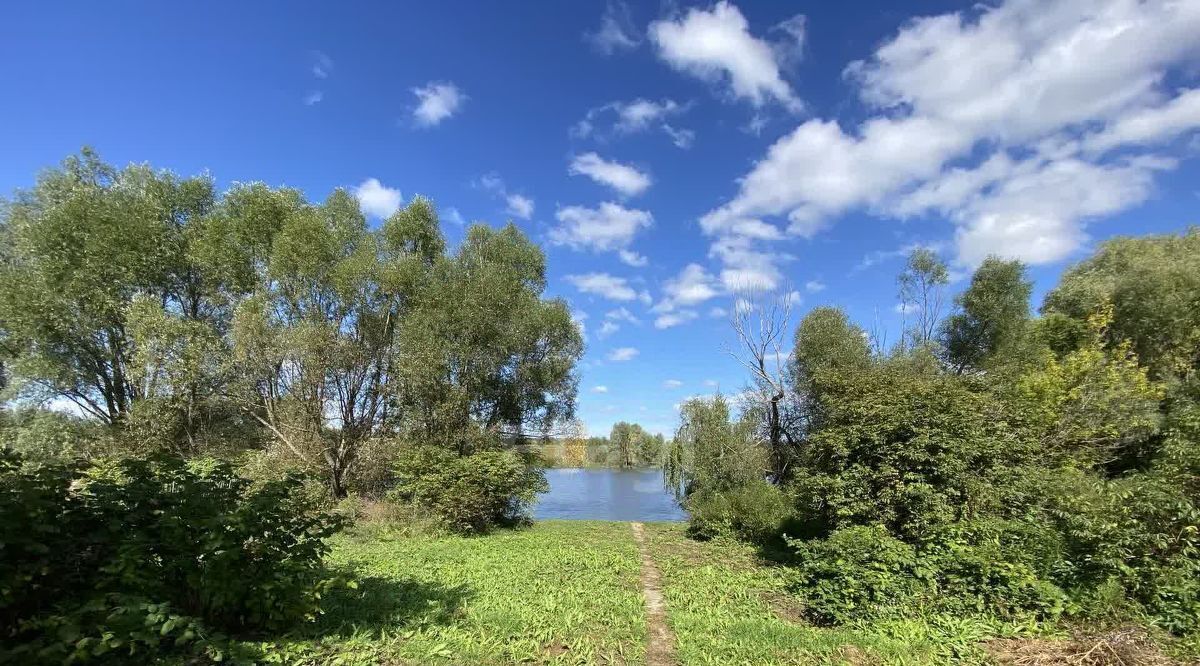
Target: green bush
756 511
140 556
469 493
858 572
913 452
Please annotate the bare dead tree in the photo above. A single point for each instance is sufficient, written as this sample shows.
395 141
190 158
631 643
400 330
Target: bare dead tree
762 322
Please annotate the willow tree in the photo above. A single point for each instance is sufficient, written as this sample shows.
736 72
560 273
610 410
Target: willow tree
315 344
486 358
85 245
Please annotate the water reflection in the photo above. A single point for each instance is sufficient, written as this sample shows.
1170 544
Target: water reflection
607 494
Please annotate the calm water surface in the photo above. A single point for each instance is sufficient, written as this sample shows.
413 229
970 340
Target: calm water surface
607 494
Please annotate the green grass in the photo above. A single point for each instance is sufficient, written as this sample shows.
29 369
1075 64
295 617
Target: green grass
568 592
557 593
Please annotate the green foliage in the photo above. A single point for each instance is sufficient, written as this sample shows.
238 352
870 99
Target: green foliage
756 511
911 452
42 435
1152 284
993 313
710 451
147 556
859 571
1094 403
827 342
634 446
921 283
469 493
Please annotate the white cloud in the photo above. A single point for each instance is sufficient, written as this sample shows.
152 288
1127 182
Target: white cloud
672 384
793 298
600 389
693 285
516 205
674 318
1150 125
622 354
607 227
313 97
322 65
623 178
631 258
608 328
1042 87
813 286
454 216
519 206
716 45
906 308
437 101
622 314
602 284
717 311
682 138
712 383
616 31
376 199
638 115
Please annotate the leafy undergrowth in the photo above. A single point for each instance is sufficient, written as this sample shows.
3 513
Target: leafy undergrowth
555 593
727 607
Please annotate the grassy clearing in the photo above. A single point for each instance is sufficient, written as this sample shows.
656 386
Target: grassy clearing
556 593
726 607
568 592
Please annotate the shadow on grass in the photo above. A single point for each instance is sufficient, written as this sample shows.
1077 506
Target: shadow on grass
385 603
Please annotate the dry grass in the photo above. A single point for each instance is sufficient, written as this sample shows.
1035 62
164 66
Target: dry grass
1123 647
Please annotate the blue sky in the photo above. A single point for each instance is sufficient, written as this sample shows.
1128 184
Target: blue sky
666 156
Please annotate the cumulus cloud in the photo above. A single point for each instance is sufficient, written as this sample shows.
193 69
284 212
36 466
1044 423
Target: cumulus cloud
623 178
604 285
672 384
716 45
1054 88
975 112
622 354
377 199
814 286
607 328
436 101
313 97
616 32
608 227
600 389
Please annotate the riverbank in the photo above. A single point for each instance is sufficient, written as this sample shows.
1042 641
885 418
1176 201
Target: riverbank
572 592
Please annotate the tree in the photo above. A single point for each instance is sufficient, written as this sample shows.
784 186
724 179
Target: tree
827 341
761 322
84 245
993 314
921 290
711 451
316 345
1153 286
484 356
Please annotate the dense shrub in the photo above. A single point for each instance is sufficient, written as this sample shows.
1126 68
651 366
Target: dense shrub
858 572
469 493
912 452
755 511
139 556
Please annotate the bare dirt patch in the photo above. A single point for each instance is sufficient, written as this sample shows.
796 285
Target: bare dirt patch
660 648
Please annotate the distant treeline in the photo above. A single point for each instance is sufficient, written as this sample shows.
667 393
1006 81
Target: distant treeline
628 445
